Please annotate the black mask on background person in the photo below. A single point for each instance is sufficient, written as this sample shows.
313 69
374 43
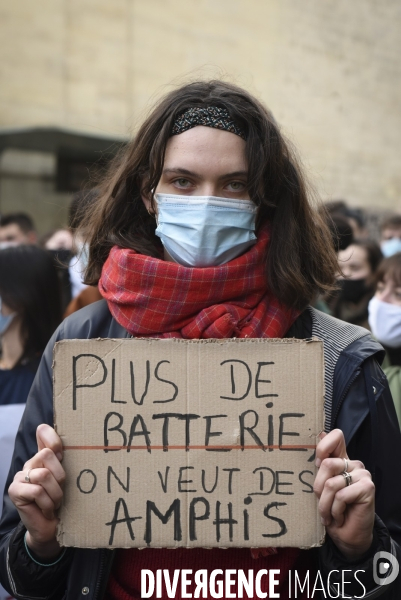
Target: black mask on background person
352 290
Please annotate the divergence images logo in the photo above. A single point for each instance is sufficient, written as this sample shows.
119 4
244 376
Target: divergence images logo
385 568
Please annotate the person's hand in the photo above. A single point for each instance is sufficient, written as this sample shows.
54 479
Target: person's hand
347 511
38 498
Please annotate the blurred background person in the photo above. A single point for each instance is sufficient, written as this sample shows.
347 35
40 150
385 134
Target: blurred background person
385 322
80 202
58 239
60 243
390 235
15 229
357 265
30 310
342 236
81 294
341 231
354 216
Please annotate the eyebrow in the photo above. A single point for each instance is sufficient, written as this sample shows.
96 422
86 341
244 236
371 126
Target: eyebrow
182 171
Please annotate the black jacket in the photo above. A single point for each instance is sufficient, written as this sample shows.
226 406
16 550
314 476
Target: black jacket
362 408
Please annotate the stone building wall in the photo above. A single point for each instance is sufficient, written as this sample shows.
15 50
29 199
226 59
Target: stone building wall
330 70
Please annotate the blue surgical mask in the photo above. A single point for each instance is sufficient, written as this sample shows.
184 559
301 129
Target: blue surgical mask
205 231
5 321
390 247
385 322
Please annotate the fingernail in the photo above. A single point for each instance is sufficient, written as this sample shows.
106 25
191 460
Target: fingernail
318 462
59 456
323 522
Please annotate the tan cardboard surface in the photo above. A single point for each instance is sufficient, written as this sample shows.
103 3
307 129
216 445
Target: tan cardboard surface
189 443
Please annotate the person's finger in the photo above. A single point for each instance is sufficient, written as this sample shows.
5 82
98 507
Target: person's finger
330 467
23 495
361 491
47 459
46 437
332 445
45 478
332 487
38 521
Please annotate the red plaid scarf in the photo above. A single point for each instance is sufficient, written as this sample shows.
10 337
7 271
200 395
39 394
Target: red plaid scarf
150 297
156 298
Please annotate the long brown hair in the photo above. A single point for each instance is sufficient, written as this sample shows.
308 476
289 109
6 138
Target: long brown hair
300 262
29 285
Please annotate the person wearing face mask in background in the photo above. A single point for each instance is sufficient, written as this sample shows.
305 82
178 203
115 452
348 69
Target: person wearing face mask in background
385 322
390 234
358 264
30 311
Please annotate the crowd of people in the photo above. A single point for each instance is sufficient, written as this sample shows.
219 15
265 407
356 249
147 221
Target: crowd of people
368 290
207 148
357 297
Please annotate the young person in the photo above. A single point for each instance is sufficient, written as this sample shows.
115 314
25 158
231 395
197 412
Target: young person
390 235
358 264
385 322
203 229
30 311
16 229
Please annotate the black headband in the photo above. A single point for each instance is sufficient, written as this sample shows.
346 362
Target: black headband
211 116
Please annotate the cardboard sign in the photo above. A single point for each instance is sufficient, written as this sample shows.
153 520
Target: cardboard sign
189 442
